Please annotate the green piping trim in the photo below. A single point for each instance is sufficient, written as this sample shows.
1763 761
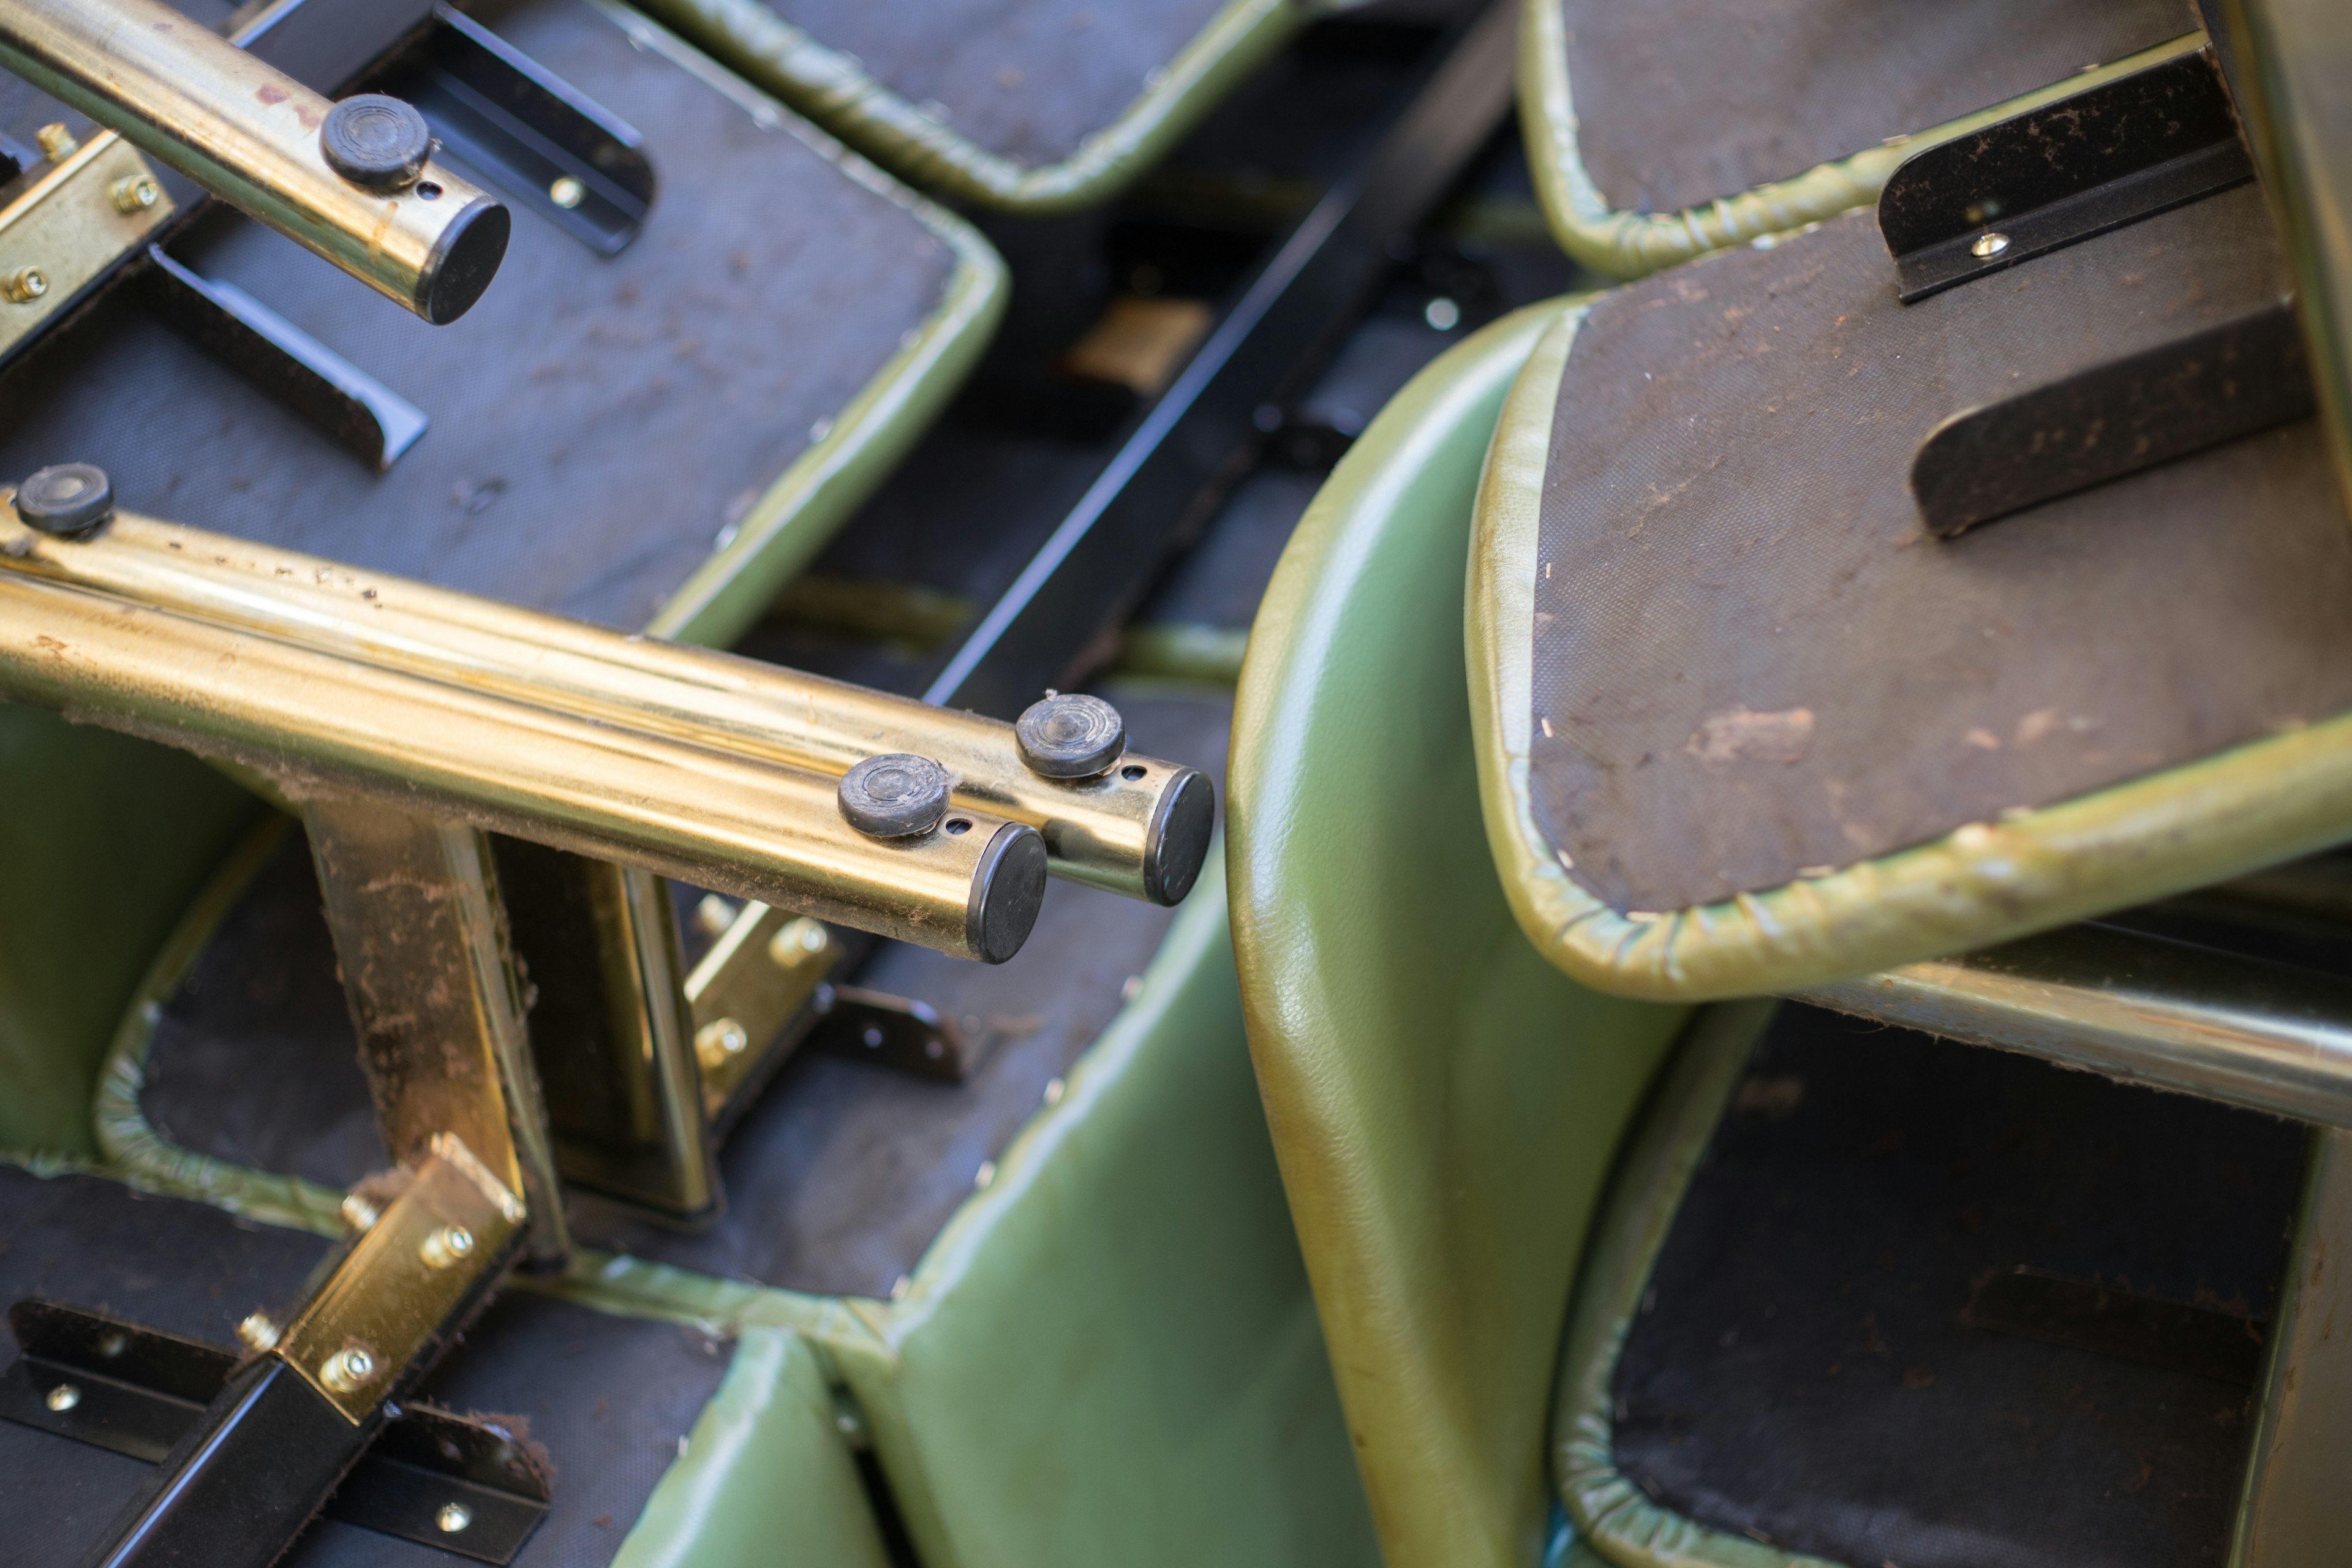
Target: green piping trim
1625 245
1615 1518
2222 815
832 89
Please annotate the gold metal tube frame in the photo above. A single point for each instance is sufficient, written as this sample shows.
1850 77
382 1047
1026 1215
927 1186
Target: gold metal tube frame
1140 829
319 722
251 134
2144 1009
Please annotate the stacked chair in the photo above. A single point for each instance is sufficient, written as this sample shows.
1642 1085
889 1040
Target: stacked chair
414 540
1629 1071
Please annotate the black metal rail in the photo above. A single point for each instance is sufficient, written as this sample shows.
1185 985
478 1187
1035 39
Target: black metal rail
1189 448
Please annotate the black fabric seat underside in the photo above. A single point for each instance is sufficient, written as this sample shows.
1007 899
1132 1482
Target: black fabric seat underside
597 422
1799 1372
1751 662
1025 79
607 1397
1681 103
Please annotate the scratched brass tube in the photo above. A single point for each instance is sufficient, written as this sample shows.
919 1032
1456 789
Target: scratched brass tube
1142 837
249 135
316 721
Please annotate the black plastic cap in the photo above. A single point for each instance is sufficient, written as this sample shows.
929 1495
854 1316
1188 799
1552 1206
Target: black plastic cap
1070 736
463 262
67 499
1007 894
376 140
896 795
1177 846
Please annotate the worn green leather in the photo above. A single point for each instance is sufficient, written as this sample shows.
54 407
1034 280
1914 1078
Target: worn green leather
765 1479
1445 1105
103 841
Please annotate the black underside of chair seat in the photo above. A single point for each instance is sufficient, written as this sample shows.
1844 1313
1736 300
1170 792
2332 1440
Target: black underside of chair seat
607 1398
1799 1372
597 421
1683 102
1026 79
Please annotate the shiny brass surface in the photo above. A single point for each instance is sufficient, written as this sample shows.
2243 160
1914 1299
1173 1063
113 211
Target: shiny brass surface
2140 1008
609 1028
413 903
78 217
323 724
1100 831
249 135
388 1304
751 983
2296 1512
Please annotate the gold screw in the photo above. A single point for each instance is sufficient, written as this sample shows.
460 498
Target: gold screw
719 1039
452 1244
798 941
566 192
24 285
358 1212
134 193
57 141
258 1333
349 1369
453 1518
63 1397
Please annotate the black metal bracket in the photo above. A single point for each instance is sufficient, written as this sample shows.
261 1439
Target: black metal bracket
531 133
463 1484
2104 157
2112 419
314 380
896 1032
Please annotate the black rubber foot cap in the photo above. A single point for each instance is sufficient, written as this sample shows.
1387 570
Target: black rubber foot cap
65 499
375 140
1008 894
1068 736
893 796
1178 843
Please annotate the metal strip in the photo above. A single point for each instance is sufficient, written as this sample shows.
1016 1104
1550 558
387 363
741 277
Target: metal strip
2144 1009
2110 155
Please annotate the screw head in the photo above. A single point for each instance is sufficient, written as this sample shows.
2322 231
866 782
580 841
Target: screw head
65 499
134 193
1989 245
358 1212
1070 736
895 795
718 1040
377 141
566 192
448 1245
57 144
24 285
453 1518
349 1369
63 1397
258 1333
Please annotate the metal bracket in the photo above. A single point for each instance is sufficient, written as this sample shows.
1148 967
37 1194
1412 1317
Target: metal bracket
2112 419
896 1032
551 146
2107 156
78 217
310 378
137 1391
